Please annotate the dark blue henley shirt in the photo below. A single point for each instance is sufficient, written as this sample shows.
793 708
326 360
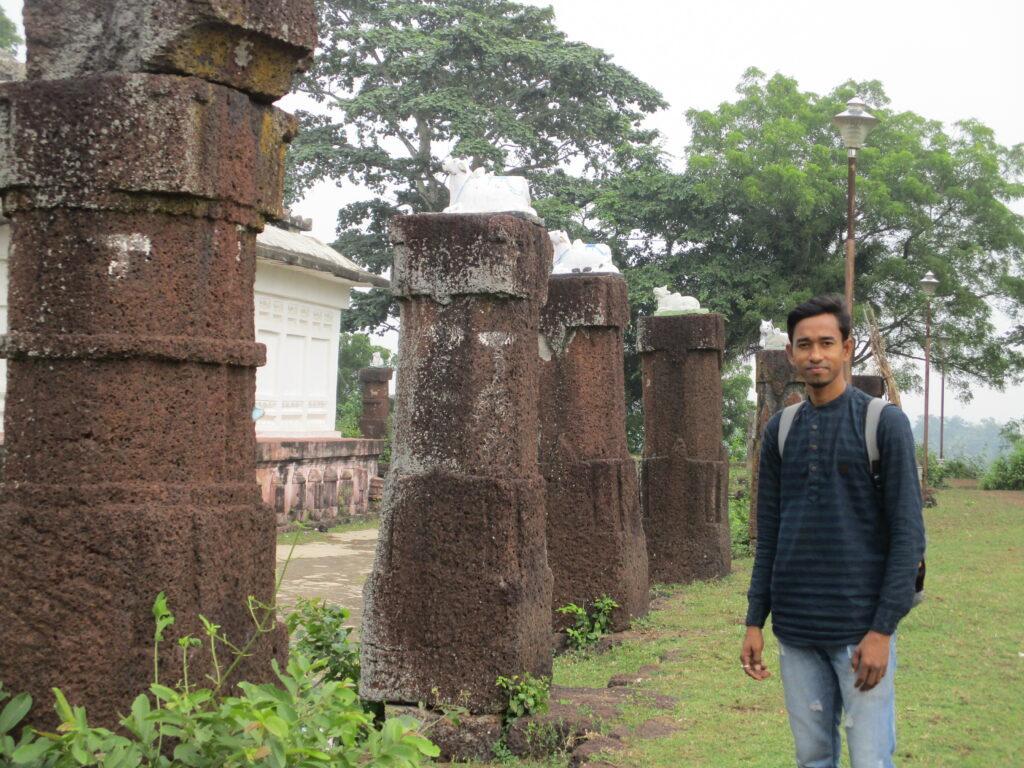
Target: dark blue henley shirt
833 560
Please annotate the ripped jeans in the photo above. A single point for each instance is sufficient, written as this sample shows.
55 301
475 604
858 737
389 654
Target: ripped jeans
818 684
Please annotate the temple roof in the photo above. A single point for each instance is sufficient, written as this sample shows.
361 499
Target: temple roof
299 250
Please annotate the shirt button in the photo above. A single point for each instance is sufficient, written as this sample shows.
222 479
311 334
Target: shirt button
814 447
814 426
814 467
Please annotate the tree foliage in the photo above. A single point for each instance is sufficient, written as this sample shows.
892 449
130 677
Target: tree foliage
757 223
9 37
408 82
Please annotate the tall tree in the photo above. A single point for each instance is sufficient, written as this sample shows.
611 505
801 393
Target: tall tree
757 222
407 82
9 37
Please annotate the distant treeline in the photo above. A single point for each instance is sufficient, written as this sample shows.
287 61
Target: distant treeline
963 438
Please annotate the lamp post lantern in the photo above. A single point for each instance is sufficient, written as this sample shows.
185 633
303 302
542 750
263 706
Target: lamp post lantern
928 284
854 126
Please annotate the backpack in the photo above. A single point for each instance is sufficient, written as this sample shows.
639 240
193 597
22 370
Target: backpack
871 419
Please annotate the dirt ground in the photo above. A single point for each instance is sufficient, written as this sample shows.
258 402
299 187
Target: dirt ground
334 569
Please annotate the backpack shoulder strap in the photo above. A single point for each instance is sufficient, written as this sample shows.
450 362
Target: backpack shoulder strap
874 414
786 421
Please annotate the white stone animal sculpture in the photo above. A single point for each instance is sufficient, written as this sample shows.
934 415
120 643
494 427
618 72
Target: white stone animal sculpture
480 192
670 303
772 337
579 257
560 242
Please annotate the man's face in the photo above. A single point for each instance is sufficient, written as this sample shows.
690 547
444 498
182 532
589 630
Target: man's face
818 350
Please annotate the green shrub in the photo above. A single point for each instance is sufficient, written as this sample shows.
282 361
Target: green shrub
319 631
588 628
1006 472
937 472
963 467
739 520
309 719
527 695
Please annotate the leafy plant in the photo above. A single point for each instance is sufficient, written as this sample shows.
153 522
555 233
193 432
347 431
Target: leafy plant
964 467
1006 472
527 695
739 523
308 719
319 630
590 627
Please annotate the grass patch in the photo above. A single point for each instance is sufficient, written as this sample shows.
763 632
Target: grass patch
307 535
960 684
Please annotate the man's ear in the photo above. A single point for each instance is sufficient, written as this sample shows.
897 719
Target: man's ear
848 348
789 354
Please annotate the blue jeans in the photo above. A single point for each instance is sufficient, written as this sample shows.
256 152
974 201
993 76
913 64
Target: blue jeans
818 684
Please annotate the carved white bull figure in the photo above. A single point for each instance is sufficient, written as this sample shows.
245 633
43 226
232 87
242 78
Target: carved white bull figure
670 303
578 257
772 337
480 192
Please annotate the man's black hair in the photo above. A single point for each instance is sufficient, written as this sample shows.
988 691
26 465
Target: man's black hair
829 304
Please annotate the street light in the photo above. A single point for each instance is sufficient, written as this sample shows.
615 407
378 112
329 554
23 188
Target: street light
854 126
928 284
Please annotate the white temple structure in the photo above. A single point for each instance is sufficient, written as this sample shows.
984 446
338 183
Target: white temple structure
302 286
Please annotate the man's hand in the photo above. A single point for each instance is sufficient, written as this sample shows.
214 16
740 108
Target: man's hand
870 660
750 656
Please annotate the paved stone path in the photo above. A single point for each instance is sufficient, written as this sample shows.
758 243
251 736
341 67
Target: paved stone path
334 570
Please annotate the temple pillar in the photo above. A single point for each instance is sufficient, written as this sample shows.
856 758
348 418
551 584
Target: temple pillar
685 477
595 537
460 590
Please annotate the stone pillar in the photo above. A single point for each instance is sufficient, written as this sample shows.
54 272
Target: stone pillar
595 537
685 476
460 590
777 385
135 199
374 384
872 385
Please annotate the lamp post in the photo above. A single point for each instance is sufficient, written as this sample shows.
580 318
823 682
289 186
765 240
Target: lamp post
942 405
928 285
854 126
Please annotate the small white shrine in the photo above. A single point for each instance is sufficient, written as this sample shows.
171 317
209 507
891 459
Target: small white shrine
302 286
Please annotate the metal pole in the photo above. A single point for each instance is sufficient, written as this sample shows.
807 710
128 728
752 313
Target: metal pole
851 243
942 406
927 365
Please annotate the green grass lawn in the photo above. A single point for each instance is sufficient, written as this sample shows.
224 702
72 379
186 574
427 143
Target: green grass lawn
960 683
309 533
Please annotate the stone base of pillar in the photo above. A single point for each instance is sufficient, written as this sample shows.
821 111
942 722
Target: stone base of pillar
478 542
114 547
685 514
600 549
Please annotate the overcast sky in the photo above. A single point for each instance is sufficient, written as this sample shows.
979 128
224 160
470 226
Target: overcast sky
944 60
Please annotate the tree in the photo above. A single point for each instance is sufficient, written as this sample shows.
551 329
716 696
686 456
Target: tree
407 82
757 222
9 37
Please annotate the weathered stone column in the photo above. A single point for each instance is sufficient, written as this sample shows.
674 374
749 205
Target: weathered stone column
135 199
777 385
374 385
872 385
595 537
460 590
685 479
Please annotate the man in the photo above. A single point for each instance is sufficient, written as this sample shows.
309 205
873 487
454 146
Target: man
837 552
